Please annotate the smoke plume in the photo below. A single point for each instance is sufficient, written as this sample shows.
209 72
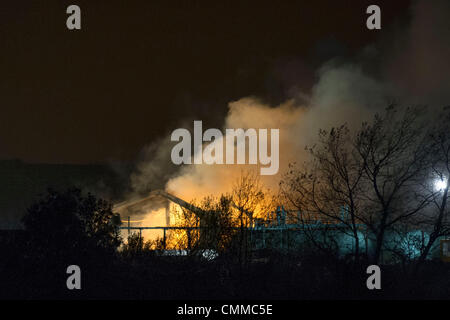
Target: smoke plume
411 67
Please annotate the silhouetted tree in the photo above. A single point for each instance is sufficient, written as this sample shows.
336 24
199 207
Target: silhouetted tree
395 153
67 224
376 176
436 220
328 189
250 200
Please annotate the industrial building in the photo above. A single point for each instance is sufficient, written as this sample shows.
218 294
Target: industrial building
284 230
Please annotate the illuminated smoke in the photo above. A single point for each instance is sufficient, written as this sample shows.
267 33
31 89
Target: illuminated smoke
412 67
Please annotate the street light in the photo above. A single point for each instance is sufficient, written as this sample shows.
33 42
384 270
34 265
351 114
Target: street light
440 184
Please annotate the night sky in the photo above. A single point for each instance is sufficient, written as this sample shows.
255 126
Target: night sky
139 69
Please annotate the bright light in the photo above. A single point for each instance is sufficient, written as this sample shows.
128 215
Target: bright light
440 184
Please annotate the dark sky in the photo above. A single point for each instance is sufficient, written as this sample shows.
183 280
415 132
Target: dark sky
137 69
